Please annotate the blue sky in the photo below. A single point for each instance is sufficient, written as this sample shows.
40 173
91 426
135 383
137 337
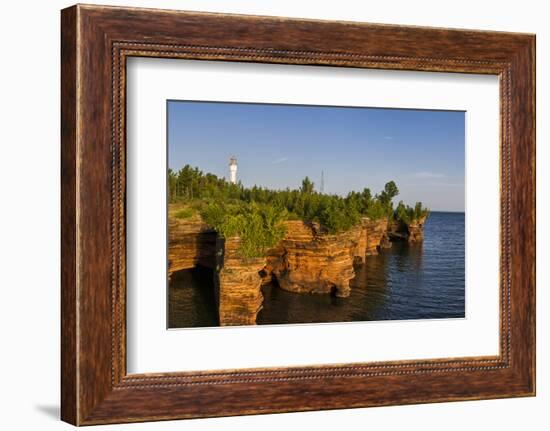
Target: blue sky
278 145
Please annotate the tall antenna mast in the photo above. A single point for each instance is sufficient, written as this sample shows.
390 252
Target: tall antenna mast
322 188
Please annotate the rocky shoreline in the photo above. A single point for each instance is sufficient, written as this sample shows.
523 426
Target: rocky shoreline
306 260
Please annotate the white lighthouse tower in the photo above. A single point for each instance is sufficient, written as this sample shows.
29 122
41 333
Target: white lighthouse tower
233 170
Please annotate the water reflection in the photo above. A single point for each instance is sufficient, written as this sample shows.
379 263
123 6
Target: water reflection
191 300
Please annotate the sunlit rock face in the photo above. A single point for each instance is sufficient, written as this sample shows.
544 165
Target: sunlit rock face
238 282
360 251
191 242
376 235
310 261
412 232
416 230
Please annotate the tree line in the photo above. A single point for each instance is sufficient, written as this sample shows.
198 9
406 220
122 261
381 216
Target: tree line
254 212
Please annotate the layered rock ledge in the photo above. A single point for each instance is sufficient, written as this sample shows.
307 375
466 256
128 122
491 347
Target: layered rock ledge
376 234
238 284
310 261
191 242
411 232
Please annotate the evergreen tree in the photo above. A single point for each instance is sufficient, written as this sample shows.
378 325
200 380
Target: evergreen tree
307 186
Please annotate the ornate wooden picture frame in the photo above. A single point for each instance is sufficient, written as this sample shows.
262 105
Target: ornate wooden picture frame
96 41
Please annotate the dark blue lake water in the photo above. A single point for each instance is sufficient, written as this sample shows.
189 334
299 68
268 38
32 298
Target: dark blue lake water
419 281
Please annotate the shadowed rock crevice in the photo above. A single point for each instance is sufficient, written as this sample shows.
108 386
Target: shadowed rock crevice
411 232
192 242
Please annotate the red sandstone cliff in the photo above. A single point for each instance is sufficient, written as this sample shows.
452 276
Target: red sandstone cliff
237 283
190 242
416 230
310 261
376 235
307 260
412 232
360 251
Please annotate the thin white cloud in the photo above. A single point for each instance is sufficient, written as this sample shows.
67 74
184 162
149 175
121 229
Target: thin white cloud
435 184
388 138
428 175
280 160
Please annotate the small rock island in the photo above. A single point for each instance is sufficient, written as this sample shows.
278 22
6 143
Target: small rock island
308 241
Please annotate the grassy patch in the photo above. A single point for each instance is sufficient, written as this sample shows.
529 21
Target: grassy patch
184 213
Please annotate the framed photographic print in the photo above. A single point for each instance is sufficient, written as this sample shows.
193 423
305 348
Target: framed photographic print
292 246
265 214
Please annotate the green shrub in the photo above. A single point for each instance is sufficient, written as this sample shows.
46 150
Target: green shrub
407 215
258 226
335 216
376 210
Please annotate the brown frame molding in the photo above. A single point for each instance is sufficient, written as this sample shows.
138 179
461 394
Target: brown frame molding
95 43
